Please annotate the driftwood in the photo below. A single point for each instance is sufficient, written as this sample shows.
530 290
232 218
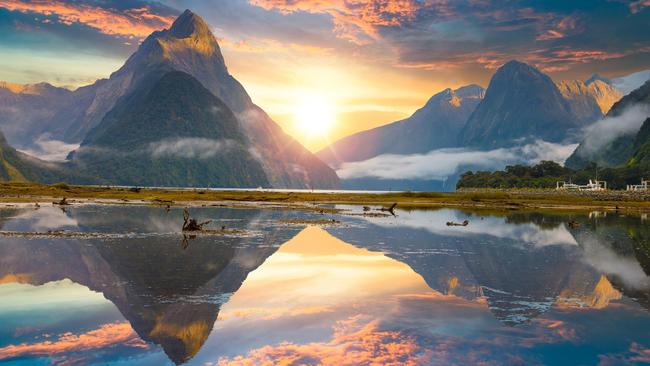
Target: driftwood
62 202
390 209
190 224
464 223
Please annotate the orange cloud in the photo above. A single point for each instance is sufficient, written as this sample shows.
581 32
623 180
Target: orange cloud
549 35
354 19
353 343
636 355
104 336
138 22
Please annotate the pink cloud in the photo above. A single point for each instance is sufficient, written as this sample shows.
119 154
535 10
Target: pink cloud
355 341
104 336
138 22
356 19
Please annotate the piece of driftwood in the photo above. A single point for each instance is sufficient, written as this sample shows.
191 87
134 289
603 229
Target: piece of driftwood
573 224
464 223
390 209
190 224
62 202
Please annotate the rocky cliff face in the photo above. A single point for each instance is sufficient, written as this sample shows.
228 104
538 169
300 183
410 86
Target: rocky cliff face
589 101
619 147
436 125
27 109
520 103
173 132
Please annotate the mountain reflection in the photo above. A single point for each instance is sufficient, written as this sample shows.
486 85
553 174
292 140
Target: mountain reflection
405 290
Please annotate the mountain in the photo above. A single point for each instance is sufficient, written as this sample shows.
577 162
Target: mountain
612 146
26 108
435 125
520 102
173 132
189 46
589 101
597 76
16 166
641 156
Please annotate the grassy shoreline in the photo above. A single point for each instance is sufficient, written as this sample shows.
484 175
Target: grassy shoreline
486 199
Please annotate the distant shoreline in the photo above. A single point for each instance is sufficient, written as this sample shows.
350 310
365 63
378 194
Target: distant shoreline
28 194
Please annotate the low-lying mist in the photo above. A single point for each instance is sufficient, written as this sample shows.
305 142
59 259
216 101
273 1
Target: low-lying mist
601 133
443 163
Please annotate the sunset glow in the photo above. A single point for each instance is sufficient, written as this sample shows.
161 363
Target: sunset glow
382 61
314 116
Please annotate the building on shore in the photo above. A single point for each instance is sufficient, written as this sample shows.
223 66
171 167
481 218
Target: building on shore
593 185
644 186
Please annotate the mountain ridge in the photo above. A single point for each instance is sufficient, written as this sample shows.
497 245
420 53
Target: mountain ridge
519 92
189 46
173 132
620 149
434 125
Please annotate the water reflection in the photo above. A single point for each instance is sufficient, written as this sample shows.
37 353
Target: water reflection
510 288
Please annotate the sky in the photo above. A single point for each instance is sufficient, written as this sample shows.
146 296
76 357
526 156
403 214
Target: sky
359 63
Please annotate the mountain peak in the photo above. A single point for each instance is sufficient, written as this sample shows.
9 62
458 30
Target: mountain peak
515 64
188 24
597 77
470 91
515 67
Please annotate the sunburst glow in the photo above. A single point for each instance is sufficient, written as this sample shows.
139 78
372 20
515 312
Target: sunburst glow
314 115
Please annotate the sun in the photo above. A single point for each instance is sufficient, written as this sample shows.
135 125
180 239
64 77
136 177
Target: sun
314 116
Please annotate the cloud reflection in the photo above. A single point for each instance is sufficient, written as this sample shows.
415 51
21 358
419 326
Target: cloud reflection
118 333
434 222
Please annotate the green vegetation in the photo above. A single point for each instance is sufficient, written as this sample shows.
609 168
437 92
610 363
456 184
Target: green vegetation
547 173
173 132
619 151
641 157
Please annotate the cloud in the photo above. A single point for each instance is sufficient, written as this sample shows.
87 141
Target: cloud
631 82
132 22
190 148
605 260
107 335
43 219
355 20
442 163
637 354
498 227
607 129
50 150
354 341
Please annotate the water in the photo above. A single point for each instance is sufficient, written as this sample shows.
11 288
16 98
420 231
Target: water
516 288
